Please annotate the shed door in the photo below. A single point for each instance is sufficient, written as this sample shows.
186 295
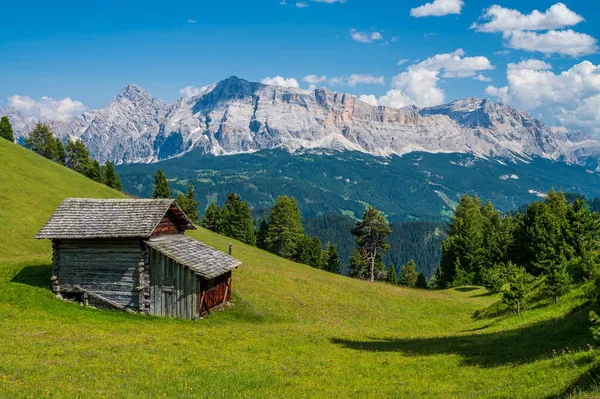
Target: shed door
173 292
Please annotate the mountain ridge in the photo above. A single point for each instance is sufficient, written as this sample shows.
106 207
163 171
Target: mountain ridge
237 116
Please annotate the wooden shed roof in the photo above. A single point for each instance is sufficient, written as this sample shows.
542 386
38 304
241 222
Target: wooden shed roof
199 257
86 218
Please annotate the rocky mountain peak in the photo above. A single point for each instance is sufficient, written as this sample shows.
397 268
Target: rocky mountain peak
134 94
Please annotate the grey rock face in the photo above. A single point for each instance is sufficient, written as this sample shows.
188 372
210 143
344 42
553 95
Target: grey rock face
236 116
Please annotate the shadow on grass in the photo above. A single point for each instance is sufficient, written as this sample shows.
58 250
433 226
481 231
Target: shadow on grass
466 289
518 346
36 276
580 388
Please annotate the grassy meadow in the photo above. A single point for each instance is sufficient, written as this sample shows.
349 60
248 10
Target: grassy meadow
293 331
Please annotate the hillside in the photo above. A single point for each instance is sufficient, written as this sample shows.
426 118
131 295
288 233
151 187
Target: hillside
417 186
293 331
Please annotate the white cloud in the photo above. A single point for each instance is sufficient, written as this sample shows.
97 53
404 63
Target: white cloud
403 61
301 4
419 84
365 37
46 108
572 97
329 1
355 79
191 21
565 42
282 3
482 78
314 79
192 91
280 81
438 8
502 19
369 99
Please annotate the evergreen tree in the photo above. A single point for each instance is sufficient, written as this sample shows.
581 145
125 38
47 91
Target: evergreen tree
188 204
285 227
95 172
111 177
371 234
41 140
332 259
422 281
464 246
212 218
302 253
315 253
59 151
359 267
161 186
6 130
519 287
392 277
558 280
409 275
237 219
78 157
261 235
494 278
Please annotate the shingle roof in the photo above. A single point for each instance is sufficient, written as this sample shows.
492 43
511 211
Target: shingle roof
204 260
86 218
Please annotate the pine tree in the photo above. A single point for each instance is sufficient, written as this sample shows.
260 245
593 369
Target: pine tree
161 186
212 218
188 204
494 278
6 130
302 253
519 287
332 259
359 267
422 281
95 172
315 253
237 219
558 280
261 234
392 277
78 157
41 140
371 233
59 151
409 275
464 245
285 227
111 177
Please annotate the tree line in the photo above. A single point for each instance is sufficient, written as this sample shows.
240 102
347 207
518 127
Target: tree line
551 244
280 232
73 154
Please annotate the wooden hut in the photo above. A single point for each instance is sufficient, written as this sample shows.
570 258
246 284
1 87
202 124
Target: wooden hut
132 254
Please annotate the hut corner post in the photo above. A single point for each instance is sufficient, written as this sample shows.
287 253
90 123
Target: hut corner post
144 280
55 265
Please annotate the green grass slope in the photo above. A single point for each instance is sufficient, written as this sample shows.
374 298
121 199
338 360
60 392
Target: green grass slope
293 331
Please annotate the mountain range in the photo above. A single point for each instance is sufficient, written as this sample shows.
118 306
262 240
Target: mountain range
236 116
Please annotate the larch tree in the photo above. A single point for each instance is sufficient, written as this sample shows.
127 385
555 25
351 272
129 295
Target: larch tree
188 204
78 157
332 258
519 287
6 130
111 177
371 233
285 227
41 140
409 274
422 281
161 186
392 276
237 219
212 218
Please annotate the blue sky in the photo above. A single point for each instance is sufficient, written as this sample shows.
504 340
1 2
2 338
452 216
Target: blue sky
87 51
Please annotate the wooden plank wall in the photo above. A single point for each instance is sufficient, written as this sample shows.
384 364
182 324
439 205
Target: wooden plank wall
111 269
215 293
168 225
173 288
